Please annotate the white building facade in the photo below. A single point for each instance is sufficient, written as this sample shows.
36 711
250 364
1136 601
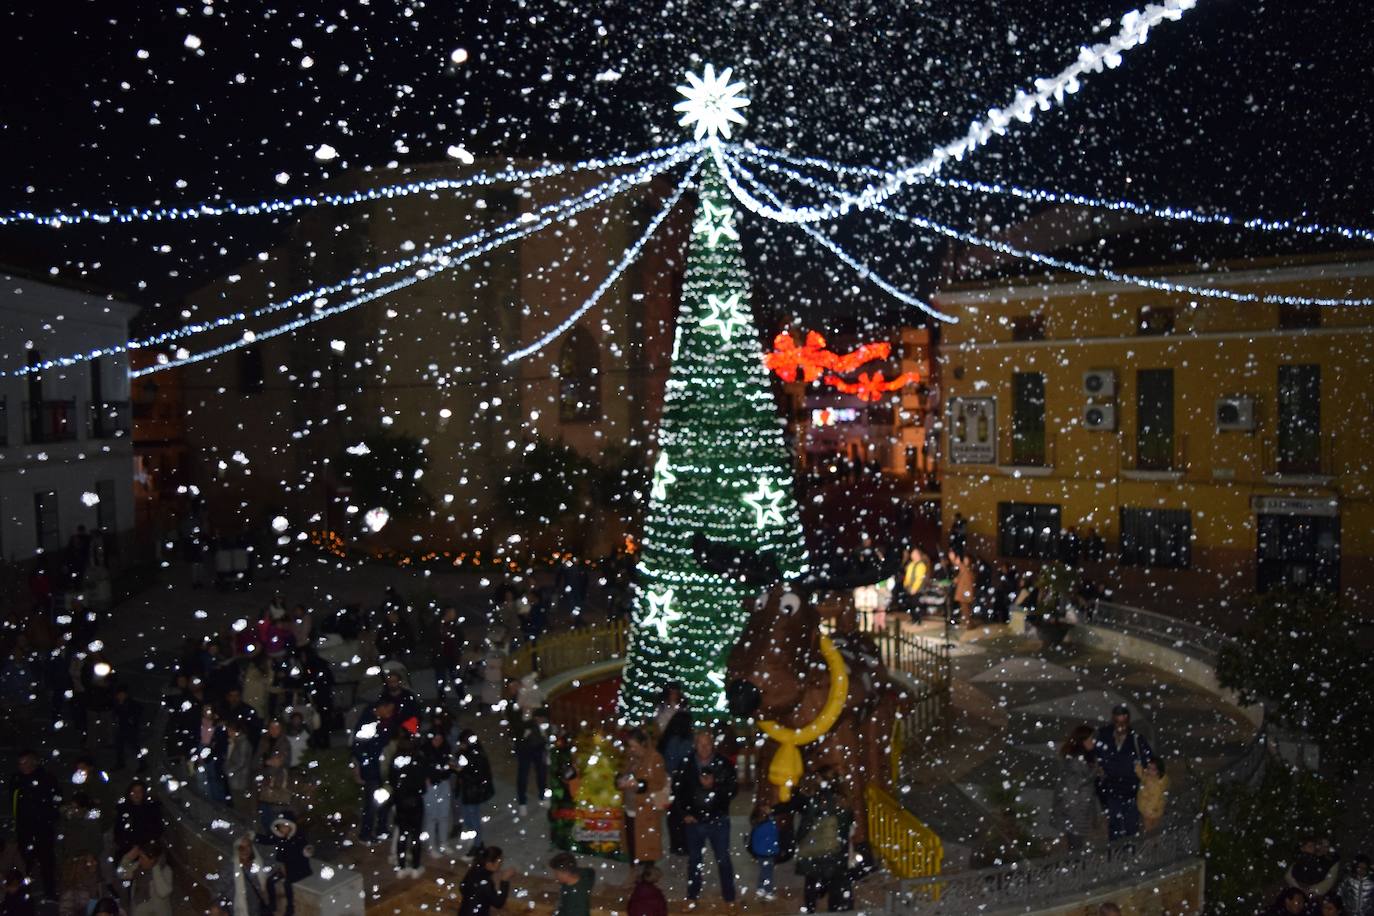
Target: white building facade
66 451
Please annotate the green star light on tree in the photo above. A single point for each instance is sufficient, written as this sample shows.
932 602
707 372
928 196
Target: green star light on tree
721 446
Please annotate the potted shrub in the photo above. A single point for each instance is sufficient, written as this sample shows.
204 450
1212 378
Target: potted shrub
1055 587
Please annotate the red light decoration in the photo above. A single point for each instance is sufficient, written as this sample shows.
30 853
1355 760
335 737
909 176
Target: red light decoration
871 386
814 361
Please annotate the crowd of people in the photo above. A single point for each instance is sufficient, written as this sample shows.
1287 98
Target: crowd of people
1319 883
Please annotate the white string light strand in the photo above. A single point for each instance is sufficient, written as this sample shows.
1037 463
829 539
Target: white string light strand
629 257
1105 273
204 210
1047 93
864 271
608 191
428 255
756 153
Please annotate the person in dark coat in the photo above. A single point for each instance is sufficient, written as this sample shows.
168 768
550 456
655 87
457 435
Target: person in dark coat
1120 750
36 802
128 725
370 739
706 784
138 819
409 775
531 756
293 854
486 885
822 850
675 744
475 786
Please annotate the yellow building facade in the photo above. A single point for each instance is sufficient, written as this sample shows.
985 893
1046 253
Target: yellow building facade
1216 447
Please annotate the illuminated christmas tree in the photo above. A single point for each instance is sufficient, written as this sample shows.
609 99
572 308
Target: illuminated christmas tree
722 471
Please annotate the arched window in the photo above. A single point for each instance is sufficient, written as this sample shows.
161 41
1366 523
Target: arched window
579 378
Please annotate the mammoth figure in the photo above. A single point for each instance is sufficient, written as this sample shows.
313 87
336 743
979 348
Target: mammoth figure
832 693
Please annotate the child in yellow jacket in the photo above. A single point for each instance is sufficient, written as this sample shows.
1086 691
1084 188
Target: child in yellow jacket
1153 793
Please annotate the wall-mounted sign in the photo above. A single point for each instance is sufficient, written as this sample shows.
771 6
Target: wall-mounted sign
1294 505
972 430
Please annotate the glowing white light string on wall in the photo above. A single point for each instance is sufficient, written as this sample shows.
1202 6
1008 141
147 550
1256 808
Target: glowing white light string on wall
1104 273
756 153
285 205
864 271
629 257
430 254
1048 92
607 191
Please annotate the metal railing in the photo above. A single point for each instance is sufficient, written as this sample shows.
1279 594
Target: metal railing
560 652
906 846
49 421
108 419
1189 638
1037 884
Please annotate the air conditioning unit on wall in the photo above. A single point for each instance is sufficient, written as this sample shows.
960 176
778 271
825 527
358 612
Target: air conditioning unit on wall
1099 417
1236 414
1099 383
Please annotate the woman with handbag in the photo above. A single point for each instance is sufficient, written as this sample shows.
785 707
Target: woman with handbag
644 788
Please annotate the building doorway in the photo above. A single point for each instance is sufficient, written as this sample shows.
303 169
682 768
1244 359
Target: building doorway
1299 551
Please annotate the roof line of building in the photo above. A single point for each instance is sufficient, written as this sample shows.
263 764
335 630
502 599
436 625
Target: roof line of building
1145 339
1022 288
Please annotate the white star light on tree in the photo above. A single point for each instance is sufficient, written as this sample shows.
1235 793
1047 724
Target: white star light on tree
716 223
711 103
663 475
660 614
726 315
718 678
767 504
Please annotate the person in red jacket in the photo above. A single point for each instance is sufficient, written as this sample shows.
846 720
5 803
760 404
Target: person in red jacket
646 899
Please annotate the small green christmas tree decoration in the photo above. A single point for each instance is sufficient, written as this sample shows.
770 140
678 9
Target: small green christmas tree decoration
722 471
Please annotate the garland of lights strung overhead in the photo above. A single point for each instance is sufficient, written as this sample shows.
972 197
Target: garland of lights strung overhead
711 105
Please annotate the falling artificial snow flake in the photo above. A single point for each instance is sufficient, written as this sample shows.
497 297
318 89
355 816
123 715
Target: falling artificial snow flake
280 524
376 519
324 152
89 499
459 56
462 155
608 76
192 42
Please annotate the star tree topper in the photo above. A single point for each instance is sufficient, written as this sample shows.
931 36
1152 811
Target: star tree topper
711 103
767 505
726 315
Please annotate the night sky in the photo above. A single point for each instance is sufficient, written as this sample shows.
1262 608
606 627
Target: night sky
1255 107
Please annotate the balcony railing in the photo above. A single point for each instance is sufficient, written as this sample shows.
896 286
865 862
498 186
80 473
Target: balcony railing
50 421
109 419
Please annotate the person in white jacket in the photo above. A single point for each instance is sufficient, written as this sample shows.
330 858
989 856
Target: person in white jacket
244 888
150 880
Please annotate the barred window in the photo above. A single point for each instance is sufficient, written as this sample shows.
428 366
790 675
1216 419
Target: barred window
1028 530
1156 537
